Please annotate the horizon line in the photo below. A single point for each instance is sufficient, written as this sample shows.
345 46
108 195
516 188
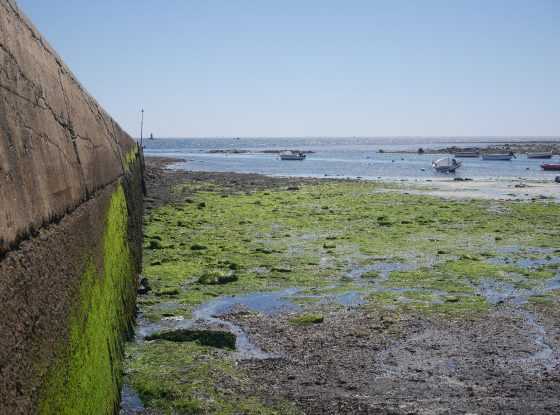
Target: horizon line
554 137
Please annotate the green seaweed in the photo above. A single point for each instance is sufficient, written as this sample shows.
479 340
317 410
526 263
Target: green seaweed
187 378
307 319
212 338
311 239
85 379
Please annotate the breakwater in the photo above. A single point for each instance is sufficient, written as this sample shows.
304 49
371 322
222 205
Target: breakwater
70 233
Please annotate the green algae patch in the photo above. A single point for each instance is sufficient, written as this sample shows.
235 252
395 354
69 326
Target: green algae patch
131 158
312 238
214 277
206 245
212 338
187 378
460 306
86 377
307 320
370 274
429 278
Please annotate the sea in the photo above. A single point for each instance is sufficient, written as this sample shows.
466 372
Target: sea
366 158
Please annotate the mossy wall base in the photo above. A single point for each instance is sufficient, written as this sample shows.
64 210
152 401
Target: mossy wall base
67 301
85 379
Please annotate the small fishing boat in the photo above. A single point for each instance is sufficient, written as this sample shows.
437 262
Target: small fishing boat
545 155
467 154
292 155
446 165
500 157
551 166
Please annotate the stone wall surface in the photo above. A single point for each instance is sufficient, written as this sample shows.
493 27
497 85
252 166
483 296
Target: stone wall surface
70 233
58 145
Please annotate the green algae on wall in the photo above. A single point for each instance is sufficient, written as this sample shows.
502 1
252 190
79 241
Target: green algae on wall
130 158
86 378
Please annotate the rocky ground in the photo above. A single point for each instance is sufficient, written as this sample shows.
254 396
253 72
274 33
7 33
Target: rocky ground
389 303
391 363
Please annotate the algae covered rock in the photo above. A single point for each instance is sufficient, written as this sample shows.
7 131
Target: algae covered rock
307 320
282 269
370 274
217 277
211 338
155 244
167 292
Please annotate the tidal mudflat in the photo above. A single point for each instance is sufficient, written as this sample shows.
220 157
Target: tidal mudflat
293 296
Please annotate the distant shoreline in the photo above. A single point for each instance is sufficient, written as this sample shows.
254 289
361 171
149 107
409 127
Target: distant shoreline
516 147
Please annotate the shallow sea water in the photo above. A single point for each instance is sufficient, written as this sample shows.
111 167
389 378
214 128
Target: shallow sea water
340 157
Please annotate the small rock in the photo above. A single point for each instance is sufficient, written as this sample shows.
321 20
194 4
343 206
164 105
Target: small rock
267 251
154 244
284 270
212 338
217 278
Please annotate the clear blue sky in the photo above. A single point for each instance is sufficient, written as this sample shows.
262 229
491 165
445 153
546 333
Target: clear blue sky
315 67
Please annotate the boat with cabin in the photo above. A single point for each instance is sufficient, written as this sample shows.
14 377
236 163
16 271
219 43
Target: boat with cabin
498 157
544 155
446 165
468 154
292 155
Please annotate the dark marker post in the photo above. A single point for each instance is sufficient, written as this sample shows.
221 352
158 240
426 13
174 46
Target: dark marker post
142 129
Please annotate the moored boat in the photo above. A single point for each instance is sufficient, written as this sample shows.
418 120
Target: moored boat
468 154
446 165
544 155
292 155
551 166
500 157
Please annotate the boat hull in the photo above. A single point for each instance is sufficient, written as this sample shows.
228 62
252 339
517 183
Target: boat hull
445 169
292 157
497 157
446 165
539 155
551 167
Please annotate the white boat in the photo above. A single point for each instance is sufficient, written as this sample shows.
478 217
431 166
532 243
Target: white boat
501 157
545 155
292 155
468 154
446 165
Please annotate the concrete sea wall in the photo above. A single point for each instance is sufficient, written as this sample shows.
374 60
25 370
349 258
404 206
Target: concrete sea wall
70 233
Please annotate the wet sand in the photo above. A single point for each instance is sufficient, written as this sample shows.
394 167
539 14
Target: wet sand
497 189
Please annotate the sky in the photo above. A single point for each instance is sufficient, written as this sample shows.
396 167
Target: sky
264 68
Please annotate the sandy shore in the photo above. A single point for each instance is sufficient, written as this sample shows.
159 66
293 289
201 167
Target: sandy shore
495 189
492 189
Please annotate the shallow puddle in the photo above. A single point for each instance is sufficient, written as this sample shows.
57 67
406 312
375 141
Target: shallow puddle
498 292
130 401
